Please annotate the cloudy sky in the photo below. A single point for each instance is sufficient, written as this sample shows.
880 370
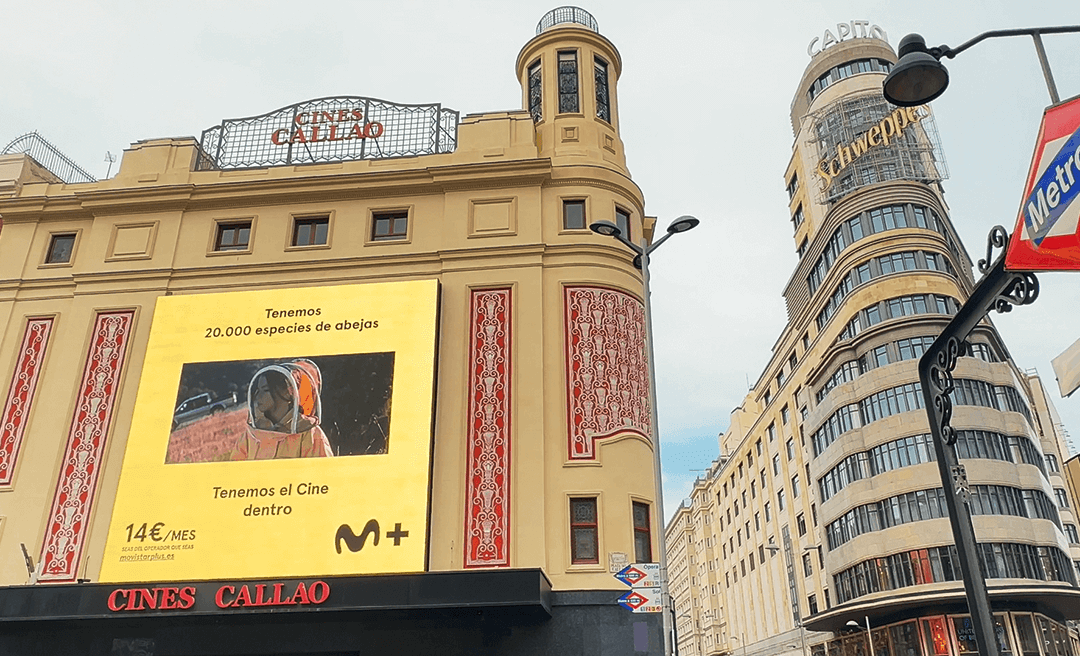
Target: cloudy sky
704 101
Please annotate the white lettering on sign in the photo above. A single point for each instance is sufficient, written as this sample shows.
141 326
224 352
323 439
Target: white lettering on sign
856 29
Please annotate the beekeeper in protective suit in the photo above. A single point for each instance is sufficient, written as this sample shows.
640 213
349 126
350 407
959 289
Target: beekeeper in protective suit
284 411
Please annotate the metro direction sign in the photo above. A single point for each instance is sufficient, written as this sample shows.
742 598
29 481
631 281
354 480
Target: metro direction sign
640 575
1047 233
642 600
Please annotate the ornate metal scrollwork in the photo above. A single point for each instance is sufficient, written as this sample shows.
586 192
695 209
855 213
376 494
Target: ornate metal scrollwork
942 380
998 238
1021 289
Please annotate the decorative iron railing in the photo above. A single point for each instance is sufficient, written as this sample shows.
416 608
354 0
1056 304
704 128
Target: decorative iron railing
333 129
568 14
49 156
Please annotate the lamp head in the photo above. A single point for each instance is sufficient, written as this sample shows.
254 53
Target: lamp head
853 624
682 224
918 76
606 228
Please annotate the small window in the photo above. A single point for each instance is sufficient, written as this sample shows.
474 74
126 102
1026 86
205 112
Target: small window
800 522
386 226
311 231
811 603
642 534
785 415
622 219
780 500
603 106
584 533
790 448
568 81
1070 532
536 92
573 213
807 565
60 249
233 236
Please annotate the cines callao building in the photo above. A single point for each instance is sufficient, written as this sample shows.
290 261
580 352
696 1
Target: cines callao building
347 377
825 506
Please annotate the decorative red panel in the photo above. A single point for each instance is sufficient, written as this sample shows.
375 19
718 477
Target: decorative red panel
16 411
69 518
487 506
607 370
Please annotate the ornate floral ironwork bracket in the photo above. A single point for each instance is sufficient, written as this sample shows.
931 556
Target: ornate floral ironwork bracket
998 290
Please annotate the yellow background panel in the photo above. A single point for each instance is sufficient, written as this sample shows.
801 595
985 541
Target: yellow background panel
204 536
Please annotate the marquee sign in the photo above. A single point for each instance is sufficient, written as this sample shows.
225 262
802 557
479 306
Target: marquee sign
1047 233
891 126
335 129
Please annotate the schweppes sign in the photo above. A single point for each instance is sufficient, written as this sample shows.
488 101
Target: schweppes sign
890 128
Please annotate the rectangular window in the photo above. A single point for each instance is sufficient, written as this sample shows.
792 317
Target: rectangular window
811 603
772 432
233 236
1062 497
790 448
642 533
776 465
785 415
768 513
793 186
568 82
622 219
1070 532
780 500
573 214
603 105
310 230
584 532
797 217
807 565
757 447
536 92
800 521
386 226
61 247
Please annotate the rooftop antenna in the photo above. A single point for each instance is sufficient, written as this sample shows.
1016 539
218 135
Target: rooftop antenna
111 159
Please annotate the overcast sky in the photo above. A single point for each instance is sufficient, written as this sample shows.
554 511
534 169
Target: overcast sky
704 101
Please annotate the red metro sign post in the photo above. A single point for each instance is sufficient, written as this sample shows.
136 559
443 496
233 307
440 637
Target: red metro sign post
1047 233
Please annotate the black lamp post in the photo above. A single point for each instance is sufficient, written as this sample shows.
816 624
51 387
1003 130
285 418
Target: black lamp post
641 261
919 77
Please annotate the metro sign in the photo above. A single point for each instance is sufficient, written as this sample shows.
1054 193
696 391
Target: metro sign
642 600
1047 233
640 575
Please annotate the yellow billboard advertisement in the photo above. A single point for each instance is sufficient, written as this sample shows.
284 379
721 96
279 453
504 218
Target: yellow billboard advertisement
280 433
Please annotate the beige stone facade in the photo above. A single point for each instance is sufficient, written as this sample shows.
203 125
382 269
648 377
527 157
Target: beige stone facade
491 215
824 505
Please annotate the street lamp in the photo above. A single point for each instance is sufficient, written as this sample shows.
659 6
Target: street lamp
641 261
697 638
919 76
869 637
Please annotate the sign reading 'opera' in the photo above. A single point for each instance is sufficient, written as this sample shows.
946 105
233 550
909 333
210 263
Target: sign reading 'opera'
326 130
